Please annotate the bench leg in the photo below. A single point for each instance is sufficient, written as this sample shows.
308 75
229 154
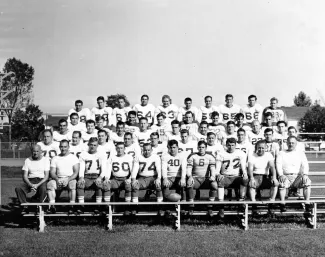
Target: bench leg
178 217
314 213
41 219
246 217
110 218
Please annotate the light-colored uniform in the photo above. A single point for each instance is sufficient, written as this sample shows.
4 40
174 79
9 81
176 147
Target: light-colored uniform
228 113
191 128
173 166
188 148
79 127
253 137
143 137
160 149
273 148
171 136
84 114
161 130
120 114
182 111
105 113
134 150
94 163
200 164
86 136
231 162
260 163
170 112
253 113
148 167
277 114
50 150
120 166
246 147
108 148
147 111
78 149
205 113
57 136
215 149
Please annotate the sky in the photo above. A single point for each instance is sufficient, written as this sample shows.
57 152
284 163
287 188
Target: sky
82 49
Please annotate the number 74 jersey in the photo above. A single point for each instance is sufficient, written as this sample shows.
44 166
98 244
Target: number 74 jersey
231 163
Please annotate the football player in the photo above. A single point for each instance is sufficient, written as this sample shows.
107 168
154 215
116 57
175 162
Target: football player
131 125
252 110
205 111
102 111
292 131
189 123
63 132
145 109
74 124
157 148
143 136
268 123
175 133
215 126
187 108
76 147
213 147
243 144
83 113
271 146
202 133
90 132
277 113
118 136
186 145
161 127
281 134
49 147
100 124
229 110
120 113
239 120
256 134
105 145
131 147
231 130
168 109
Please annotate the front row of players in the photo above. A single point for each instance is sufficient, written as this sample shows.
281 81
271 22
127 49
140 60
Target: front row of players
215 171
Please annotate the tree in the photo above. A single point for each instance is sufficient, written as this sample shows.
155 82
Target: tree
313 121
302 100
27 124
21 86
112 100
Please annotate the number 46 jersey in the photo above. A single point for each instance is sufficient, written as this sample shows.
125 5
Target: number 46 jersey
231 163
94 163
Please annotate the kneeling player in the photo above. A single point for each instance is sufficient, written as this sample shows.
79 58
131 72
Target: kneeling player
292 167
231 163
146 173
91 174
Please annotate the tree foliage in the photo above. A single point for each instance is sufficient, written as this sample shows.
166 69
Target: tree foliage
302 100
112 100
27 124
314 119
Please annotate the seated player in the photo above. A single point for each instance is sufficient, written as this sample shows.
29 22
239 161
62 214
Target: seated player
145 110
118 136
48 146
229 110
205 111
256 134
215 126
83 113
213 147
187 108
169 110
281 135
146 174
268 123
76 147
271 146
175 133
100 124
63 132
105 145
102 111
252 110
143 136
74 124
201 170
120 113
131 147
157 148
90 132
292 169
186 145
277 113
292 131
119 168
91 173
231 172
239 121
131 125
64 171
35 175
173 170
261 172
161 127
231 130
189 124
202 133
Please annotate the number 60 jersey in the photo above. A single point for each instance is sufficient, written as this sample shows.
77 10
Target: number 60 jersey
231 163
119 166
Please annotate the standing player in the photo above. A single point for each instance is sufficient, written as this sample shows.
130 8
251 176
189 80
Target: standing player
203 131
168 109
281 134
215 126
187 108
105 146
63 132
243 144
189 123
48 146
205 111
76 147
90 132
83 113
120 113
145 109
118 136
229 110
175 133
239 121
102 111
277 113
131 147
143 136
64 171
292 131
271 146
74 124
256 134
161 127
268 123
91 173
100 124
157 148
231 130
252 110
186 145
131 125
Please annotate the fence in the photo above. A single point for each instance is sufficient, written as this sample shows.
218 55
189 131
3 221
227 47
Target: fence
15 150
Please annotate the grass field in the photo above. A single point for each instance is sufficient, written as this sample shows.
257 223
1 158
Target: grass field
200 236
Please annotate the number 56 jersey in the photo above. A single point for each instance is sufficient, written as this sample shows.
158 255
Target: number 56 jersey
119 166
94 163
231 163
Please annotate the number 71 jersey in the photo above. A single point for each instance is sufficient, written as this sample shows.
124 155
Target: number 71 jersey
92 163
232 162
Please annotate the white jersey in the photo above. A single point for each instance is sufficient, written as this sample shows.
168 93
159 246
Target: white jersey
78 149
273 148
173 166
143 137
253 113
161 130
147 111
116 138
170 112
105 113
191 128
36 168
120 166
233 135
108 148
199 137
216 129
147 167
160 149
64 165
92 163
205 113
300 147
131 129
245 147
50 150
277 114
183 110
134 150
292 162
260 163
57 136
171 136
120 114
253 137
232 162
282 139
215 149
188 148
228 113
84 114
80 126
86 136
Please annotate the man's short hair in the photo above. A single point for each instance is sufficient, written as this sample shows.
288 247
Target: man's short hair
229 95
119 143
78 102
241 130
189 112
291 137
274 99
64 141
166 96
161 115
239 115
268 114
210 133
98 118
183 131
132 113
154 134
120 123
73 114
176 122
268 130
144 96
231 140
47 130
214 114
90 122
259 142
187 99
128 134
63 121
231 123
78 133
102 131
203 123
100 98
92 139
172 142
143 118
202 142
281 121
292 127
146 144
208 96
252 96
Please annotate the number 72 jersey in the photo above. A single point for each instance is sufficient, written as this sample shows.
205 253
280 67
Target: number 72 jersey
231 163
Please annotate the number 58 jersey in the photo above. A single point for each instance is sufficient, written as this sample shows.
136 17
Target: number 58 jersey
92 163
120 166
231 163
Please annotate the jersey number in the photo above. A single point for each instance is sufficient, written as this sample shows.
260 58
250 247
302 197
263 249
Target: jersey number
174 162
116 166
144 164
90 163
236 162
